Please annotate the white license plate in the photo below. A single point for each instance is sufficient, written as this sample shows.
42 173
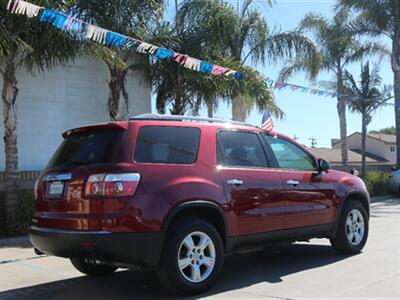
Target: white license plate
56 188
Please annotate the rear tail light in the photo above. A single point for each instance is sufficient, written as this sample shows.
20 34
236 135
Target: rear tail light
112 185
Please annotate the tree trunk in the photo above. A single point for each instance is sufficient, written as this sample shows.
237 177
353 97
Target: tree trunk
160 104
341 108
363 143
118 99
396 72
210 109
238 109
179 105
9 97
197 106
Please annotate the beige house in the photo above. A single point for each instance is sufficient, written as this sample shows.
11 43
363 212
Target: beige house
380 147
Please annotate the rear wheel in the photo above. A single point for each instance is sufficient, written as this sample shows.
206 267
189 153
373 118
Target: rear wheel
92 267
193 257
352 231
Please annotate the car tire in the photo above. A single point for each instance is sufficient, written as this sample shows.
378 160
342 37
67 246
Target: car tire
92 268
352 228
188 266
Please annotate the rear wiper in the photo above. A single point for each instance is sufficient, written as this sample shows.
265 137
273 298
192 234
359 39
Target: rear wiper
79 162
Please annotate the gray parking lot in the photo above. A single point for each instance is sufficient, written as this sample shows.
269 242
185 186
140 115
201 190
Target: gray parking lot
303 270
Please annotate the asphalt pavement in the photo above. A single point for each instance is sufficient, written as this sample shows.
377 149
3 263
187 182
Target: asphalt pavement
301 271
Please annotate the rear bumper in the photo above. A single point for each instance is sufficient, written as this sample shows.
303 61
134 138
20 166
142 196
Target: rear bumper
125 248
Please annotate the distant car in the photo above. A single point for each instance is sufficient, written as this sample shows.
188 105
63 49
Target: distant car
175 194
394 182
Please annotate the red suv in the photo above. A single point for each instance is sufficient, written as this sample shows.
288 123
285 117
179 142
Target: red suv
176 194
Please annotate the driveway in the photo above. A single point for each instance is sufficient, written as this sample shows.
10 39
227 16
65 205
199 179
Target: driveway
303 270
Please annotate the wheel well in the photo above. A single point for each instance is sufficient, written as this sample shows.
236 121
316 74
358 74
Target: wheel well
360 198
208 213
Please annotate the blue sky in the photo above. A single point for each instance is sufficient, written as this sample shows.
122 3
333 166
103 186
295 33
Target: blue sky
308 115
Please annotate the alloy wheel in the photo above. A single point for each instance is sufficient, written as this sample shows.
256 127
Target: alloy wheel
196 257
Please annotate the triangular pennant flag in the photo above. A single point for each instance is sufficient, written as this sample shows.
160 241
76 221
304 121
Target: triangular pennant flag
25 8
95 33
54 18
218 70
163 53
192 64
115 39
180 58
146 48
73 25
205 67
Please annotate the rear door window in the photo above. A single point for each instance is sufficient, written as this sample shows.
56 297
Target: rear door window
167 145
86 148
242 149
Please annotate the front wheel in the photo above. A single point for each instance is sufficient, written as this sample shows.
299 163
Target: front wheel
353 227
193 257
92 267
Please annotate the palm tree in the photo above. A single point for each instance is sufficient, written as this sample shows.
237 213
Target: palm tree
242 34
382 18
133 18
366 97
338 48
30 44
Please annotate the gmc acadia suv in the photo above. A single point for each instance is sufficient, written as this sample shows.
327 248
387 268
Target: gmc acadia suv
176 194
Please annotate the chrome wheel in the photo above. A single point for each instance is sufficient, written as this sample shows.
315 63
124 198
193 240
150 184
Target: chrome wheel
196 257
355 227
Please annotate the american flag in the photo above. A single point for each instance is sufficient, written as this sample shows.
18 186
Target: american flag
267 123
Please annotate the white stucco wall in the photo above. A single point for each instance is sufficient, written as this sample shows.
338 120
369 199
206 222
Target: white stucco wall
62 98
373 146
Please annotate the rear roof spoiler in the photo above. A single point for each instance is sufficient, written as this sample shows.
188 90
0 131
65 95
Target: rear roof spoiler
111 125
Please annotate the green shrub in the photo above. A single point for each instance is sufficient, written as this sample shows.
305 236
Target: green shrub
26 206
25 209
377 183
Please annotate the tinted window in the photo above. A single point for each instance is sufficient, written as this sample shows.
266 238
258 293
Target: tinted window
169 145
290 156
240 149
86 148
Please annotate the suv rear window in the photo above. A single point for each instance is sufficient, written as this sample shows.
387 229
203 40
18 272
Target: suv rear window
86 148
168 145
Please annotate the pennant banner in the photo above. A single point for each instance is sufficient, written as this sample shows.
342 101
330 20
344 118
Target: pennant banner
109 38
278 85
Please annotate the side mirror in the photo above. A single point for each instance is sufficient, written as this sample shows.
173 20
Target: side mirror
355 172
323 165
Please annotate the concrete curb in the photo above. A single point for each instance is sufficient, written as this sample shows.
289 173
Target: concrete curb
22 241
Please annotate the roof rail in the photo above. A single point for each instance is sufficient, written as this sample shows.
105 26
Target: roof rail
151 117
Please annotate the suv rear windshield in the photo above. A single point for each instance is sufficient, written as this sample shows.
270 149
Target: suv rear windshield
86 148
168 145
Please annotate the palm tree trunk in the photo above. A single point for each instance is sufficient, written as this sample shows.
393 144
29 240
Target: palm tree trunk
341 108
210 109
178 107
238 109
197 106
9 97
118 99
396 72
363 143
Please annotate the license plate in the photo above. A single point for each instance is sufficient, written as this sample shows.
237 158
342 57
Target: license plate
56 188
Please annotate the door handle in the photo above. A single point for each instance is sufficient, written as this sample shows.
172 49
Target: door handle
235 182
293 182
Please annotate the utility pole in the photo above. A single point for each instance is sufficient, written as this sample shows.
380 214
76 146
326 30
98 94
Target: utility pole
296 138
176 7
313 142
